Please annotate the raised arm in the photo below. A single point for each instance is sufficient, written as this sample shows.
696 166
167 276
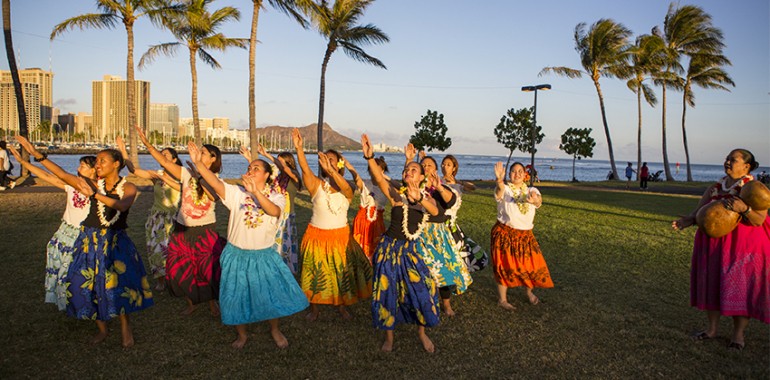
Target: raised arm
293 174
445 194
270 208
122 204
409 153
245 153
415 196
309 179
40 173
330 168
356 178
139 172
377 176
211 179
168 165
56 170
499 180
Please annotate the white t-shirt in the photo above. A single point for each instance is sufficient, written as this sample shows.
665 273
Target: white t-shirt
249 227
330 211
372 195
78 206
6 161
508 211
191 214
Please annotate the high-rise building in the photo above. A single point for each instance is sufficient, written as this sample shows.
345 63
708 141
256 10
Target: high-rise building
67 123
9 115
164 119
110 107
84 124
186 127
44 80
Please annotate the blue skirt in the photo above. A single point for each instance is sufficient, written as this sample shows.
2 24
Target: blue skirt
107 277
443 260
257 285
58 259
404 290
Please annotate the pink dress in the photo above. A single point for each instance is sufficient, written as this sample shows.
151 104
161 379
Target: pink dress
732 273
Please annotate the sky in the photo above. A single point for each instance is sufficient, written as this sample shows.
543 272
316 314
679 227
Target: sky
466 60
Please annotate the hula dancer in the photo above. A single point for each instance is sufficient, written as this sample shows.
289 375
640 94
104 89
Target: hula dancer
165 204
516 255
473 255
404 290
256 285
335 270
59 248
192 261
368 225
106 278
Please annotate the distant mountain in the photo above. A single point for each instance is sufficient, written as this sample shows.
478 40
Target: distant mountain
279 138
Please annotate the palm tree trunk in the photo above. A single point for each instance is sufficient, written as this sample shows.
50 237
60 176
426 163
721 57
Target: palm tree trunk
573 168
253 143
509 160
639 131
133 139
666 169
321 98
196 122
684 137
21 111
606 129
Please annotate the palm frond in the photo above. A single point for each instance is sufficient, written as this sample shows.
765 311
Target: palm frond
561 71
293 9
358 54
365 35
649 95
90 20
208 59
220 42
168 49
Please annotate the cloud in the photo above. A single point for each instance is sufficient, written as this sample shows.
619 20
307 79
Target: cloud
63 103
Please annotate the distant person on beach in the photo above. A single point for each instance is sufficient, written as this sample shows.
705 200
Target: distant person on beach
644 176
106 278
5 168
59 248
516 256
629 173
731 275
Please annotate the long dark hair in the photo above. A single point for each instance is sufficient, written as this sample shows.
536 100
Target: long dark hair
216 166
452 159
89 160
283 179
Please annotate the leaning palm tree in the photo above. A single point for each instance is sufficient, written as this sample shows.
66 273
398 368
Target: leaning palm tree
125 12
686 31
290 8
21 111
197 28
645 58
602 49
338 24
705 71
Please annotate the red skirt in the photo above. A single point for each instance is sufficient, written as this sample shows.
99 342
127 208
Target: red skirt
517 259
367 233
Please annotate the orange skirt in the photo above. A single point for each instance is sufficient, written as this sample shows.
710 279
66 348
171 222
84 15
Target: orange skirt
517 259
366 233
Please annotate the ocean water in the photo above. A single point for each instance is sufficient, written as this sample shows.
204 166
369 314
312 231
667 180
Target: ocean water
472 167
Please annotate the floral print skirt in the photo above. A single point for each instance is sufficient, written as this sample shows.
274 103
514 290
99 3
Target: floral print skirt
288 245
404 290
445 264
158 228
517 259
57 263
335 270
106 277
192 262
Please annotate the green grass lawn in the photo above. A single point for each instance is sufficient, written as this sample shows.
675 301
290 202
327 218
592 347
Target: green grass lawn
619 309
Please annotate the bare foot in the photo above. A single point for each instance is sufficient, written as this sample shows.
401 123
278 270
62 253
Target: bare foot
279 339
427 344
128 341
214 309
533 299
160 286
345 314
447 309
505 305
239 342
311 316
128 336
98 338
189 310
387 346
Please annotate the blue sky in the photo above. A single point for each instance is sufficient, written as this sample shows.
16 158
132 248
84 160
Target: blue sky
465 61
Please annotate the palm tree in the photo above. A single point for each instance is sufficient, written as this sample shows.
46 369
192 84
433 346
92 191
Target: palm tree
602 49
644 59
686 31
197 28
705 71
125 12
338 24
288 7
22 112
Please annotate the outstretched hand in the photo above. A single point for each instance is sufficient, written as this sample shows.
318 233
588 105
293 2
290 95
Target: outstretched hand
140 133
296 138
499 171
682 223
261 150
245 153
420 155
15 153
194 152
27 145
324 162
410 152
85 188
366 146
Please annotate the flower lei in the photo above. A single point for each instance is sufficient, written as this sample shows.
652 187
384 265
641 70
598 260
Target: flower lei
405 221
79 200
252 218
101 187
328 194
520 197
735 189
202 201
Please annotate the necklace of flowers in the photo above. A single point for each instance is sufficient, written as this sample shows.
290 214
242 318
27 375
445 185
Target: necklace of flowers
327 190
369 204
520 196
79 200
405 221
721 186
202 201
254 212
101 187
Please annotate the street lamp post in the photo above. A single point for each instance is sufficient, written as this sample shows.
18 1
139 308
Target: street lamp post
534 123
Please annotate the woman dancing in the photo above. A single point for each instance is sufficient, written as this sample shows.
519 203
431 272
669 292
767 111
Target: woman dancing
516 255
192 259
165 204
731 275
106 278
59 248
256 285
368 225
404 290
473 255
335 270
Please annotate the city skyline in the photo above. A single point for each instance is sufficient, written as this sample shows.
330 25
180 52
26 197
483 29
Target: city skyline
468 63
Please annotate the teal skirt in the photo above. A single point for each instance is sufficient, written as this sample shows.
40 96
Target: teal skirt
256 285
